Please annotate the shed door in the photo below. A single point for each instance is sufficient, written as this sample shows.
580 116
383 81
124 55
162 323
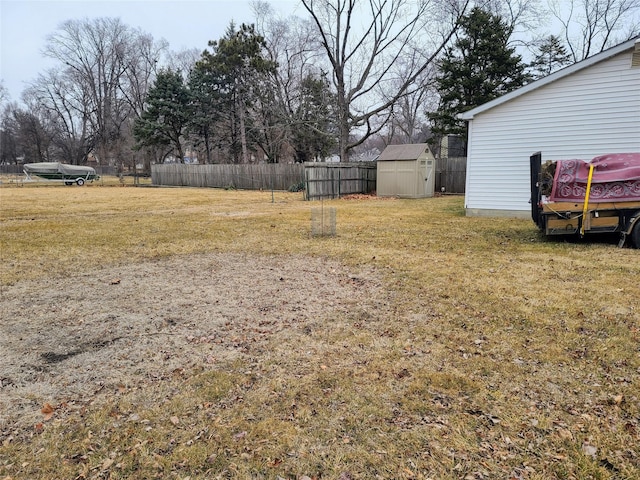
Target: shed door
427 169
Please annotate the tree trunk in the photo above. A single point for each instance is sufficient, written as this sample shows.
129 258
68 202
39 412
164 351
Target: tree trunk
344 141
207 147
180 153
243 134
343 114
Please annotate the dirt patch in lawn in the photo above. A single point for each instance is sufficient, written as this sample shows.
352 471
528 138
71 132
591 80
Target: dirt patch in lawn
77 339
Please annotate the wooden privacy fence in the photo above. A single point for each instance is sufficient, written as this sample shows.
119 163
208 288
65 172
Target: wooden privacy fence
332 180
321 180
451 173
11 169
246 176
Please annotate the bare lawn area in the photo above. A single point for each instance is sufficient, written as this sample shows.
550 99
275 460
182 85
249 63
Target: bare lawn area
201 334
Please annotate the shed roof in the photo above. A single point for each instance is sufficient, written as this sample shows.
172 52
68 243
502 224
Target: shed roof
409 151
576 67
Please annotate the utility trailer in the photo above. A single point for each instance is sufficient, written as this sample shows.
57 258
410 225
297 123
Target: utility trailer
56 171
574 197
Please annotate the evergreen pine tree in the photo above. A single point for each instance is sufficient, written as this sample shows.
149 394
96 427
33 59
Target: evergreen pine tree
477 68
551 56
166 115
207 103
236 70
314 132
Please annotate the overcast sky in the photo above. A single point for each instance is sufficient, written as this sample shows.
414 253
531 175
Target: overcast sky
24 25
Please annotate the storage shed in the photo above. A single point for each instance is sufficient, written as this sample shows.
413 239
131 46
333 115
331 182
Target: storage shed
406 171
585 110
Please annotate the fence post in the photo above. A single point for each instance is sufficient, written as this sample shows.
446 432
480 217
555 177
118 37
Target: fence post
306 182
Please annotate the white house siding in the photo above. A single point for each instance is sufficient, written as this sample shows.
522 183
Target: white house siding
588 113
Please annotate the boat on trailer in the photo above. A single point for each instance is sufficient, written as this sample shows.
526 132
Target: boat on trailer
61 172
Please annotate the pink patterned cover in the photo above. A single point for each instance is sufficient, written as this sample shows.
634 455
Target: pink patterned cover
616 177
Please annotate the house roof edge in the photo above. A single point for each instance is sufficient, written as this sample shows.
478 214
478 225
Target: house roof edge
565 72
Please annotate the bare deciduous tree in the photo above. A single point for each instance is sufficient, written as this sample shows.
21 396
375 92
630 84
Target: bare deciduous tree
112 65
183 61
291 45
591 26
522 17
141 69
33 134
408 122
362 40
64 106
4 93
140 73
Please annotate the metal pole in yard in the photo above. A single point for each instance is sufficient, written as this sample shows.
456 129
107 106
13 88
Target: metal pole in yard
322 214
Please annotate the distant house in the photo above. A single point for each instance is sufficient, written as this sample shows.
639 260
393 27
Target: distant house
406 171
582 111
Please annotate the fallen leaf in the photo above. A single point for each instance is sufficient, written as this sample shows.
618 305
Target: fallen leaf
175 420
39 427
47 411
115 281
565 434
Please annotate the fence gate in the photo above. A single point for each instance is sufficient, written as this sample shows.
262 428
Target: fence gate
333 180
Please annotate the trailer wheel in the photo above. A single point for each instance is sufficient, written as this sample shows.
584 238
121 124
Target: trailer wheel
80 182
635 235
68 183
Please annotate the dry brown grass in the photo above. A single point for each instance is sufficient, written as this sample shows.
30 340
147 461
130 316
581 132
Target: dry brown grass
498 354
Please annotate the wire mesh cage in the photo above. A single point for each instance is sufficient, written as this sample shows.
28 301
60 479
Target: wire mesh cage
323 221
